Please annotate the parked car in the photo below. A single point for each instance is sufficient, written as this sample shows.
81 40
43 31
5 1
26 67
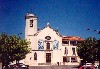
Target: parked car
87 66
19 66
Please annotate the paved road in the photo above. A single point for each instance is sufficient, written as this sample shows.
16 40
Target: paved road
52 67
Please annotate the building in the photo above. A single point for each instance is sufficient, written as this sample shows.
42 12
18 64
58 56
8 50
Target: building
48 46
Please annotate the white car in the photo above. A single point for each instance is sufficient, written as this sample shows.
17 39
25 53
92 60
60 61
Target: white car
88 64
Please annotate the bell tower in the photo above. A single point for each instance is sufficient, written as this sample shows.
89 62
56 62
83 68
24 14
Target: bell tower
31 25
30 30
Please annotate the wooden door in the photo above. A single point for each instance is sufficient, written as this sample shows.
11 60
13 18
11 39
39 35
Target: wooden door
48 57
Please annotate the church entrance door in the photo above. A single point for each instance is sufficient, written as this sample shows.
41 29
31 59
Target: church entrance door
48 57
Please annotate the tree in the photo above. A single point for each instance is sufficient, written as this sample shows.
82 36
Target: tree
87 49
98 52
12 48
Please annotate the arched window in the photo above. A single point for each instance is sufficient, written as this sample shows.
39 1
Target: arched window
35 56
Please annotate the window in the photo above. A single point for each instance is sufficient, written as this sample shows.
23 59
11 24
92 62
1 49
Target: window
66 51
65 42
73 59
48 37
79 42
35 56
73 49
48 46
64 59
73 43
31 23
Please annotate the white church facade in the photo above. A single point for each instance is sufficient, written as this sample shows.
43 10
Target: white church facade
48 46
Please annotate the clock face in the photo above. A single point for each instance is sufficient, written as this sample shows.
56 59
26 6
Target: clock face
40 44
55 44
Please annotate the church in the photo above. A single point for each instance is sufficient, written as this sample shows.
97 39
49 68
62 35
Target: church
48 46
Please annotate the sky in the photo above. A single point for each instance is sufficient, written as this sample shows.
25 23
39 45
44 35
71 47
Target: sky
71 17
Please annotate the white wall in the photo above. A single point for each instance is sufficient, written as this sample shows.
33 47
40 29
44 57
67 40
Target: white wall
49 32
70 52
56 56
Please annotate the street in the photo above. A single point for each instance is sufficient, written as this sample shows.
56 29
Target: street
52 67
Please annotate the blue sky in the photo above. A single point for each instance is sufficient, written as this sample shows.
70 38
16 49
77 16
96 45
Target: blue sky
71 17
